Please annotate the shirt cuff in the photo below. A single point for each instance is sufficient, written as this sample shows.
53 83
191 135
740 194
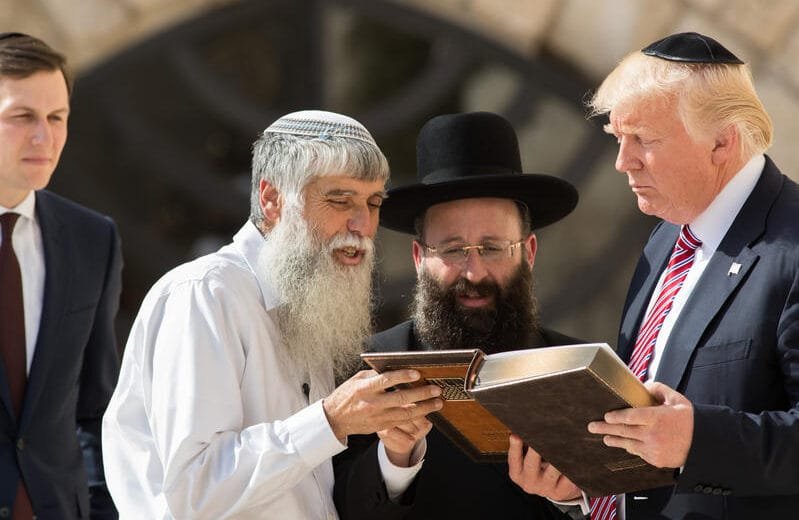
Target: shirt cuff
312 436
398 479
583 502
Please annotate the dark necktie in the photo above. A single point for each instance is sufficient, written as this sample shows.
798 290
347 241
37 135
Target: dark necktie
682 258
12 339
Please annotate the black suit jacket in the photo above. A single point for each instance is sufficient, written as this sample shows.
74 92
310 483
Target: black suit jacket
74 369
449 485
734 352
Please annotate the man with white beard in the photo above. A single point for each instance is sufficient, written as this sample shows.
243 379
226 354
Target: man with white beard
226 405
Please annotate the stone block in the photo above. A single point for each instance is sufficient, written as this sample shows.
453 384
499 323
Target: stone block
781 103
597 34
785 61
767 23
516 25
88 20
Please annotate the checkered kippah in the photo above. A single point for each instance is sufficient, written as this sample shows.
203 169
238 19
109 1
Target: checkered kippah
321 124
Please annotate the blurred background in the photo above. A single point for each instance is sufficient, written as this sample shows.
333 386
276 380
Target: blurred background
171 94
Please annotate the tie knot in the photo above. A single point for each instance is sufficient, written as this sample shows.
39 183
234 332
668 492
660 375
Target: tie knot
8 221
688 240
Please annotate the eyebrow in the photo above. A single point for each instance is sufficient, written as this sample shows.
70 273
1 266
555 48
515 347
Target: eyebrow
338 192
459 238
630 130
26 108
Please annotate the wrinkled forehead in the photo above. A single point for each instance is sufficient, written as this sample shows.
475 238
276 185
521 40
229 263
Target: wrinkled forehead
345 185
644 113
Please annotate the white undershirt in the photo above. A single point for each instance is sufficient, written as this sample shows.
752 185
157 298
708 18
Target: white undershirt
28 246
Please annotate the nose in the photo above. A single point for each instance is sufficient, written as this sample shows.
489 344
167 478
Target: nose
42 134
362 222
474 268
627 158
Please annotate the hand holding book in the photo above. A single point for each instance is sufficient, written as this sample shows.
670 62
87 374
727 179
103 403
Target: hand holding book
547 396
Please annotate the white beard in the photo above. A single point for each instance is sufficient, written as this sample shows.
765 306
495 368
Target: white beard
325 310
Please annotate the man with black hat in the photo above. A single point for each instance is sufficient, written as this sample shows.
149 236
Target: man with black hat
711 320
472 214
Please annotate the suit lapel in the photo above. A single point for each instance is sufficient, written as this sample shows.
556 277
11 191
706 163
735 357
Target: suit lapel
59 266
713 289
719 280
652 263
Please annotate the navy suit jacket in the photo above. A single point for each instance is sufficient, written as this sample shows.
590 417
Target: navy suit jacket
734 352
450 484
74 369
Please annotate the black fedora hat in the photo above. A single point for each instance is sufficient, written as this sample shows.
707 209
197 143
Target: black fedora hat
461 156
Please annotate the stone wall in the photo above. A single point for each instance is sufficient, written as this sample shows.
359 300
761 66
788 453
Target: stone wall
588 36
591 34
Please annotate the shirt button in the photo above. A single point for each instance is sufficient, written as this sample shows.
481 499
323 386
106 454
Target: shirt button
20 444
5 512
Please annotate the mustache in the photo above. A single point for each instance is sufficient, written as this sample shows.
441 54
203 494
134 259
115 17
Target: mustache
463 287
350 239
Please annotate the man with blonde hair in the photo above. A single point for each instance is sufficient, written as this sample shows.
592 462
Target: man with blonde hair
711 321
226 405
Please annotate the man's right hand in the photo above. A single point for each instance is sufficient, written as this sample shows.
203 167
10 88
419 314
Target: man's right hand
400 441
531 473
361 404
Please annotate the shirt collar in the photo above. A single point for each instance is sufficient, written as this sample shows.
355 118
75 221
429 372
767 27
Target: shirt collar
26 208
712 224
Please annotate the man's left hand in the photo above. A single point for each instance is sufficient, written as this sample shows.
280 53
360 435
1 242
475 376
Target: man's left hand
661 435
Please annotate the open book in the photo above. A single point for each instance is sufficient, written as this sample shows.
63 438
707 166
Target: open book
545 395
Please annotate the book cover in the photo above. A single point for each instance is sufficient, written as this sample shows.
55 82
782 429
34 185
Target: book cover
547 396
462 419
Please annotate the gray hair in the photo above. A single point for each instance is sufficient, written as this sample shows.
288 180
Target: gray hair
288 162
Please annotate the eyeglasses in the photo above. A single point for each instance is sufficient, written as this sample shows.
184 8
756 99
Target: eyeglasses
490 251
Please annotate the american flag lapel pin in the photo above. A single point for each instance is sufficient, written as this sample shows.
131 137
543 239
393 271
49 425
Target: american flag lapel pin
734 268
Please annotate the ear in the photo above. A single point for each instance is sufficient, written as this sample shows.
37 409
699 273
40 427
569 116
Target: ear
530 247
416 251
726 146
271 203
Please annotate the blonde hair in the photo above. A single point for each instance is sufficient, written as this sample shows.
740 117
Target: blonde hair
711 96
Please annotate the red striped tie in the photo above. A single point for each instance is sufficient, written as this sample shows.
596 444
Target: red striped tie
682 258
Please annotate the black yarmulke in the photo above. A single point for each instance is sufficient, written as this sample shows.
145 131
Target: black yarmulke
691 47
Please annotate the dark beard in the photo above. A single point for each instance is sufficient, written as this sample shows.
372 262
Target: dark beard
442 323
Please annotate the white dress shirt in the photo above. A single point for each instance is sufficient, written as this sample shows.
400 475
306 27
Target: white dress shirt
204 422
28 246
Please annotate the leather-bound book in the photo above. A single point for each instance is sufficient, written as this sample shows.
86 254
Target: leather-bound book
545 395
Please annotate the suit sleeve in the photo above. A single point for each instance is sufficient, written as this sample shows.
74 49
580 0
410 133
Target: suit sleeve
98 378
359 491
752 454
